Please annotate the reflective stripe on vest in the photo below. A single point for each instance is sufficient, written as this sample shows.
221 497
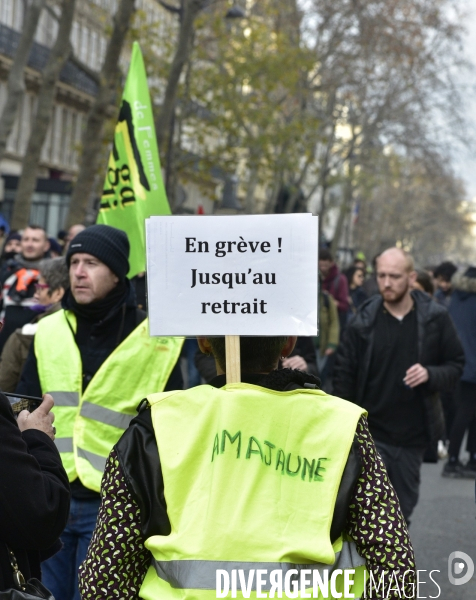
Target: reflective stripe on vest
202 574
251 477
88 425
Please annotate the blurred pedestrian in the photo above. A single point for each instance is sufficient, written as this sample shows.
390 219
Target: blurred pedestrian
97 357
72 233
443 274
11 248
34 498
335 283
463 312
18 277
53 282
399 352
424 282
355 278
370 285
56 249
328 339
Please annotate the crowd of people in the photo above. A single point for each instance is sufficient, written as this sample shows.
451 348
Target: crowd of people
157 480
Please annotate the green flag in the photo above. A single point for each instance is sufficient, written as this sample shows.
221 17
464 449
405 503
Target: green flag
134 189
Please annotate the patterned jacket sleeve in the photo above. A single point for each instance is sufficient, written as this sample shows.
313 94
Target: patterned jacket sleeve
117 561
378 528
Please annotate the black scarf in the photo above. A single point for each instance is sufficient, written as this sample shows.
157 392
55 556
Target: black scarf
96 312
279 380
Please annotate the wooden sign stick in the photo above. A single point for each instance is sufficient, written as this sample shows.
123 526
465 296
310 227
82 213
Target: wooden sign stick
233 362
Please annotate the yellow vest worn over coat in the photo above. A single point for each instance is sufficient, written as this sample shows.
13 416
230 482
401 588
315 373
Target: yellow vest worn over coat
88 425
251 478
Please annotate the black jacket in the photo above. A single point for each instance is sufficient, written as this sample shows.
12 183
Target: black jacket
34 496
439 351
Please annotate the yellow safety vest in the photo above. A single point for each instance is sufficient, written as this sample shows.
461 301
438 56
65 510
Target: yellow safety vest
88 425
251 478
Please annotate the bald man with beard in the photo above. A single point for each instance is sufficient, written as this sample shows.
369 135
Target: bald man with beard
398 353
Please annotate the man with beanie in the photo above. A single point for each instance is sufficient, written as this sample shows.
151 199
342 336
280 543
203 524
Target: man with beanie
97 360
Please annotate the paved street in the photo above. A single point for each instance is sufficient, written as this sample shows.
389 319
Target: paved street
444 521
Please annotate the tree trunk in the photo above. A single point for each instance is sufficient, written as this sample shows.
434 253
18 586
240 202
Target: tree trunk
58 56
16 82
189 12
93 133
344 211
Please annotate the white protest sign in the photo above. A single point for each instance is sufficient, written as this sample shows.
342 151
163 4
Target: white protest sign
232 275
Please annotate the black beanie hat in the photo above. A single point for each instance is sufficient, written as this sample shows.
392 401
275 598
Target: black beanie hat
108 244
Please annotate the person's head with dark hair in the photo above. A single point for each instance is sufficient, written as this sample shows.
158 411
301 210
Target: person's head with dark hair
326 261
53 281
443 274
355 276
12 245
258 354
55 248
34 243
424 282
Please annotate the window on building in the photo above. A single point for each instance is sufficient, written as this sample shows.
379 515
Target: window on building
57 135
83 53
75 37
102 51
48 209
18 15
7 12
94 48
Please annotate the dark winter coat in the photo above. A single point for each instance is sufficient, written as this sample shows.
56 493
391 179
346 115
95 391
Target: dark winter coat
439 351
34 496
463 312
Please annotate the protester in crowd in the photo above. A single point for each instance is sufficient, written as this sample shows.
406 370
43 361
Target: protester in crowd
335 283
232 497
97 359
72 233
360 262
443 274
328 338
11 248
189 350
139 283
370 285
56 249
424 282
18 278
399 352
53 282
463 312
3 236
355 278
34 498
